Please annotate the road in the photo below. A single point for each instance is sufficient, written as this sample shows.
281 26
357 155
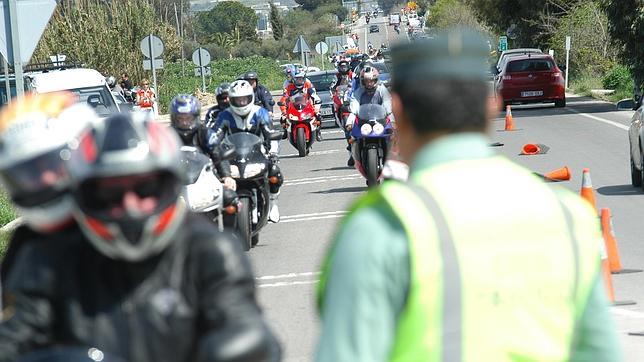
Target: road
319 188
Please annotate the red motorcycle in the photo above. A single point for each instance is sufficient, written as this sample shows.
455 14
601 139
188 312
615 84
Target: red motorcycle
302 124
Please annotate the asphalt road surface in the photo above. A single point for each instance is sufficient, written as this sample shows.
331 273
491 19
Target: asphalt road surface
319 188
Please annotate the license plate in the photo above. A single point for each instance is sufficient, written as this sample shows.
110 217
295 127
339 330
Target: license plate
532 94
326 111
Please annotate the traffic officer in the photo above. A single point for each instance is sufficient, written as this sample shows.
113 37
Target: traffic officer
472 259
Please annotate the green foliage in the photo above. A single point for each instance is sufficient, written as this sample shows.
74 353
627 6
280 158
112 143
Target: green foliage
332 8
626 26
618 78
387 5
276 23
7 213
223 70
448 13
4 241
228 17
584 82
105 35
310 5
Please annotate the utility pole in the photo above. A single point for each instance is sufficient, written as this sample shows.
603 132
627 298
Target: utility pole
15 45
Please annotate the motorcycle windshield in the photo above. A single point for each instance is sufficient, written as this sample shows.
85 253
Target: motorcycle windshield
248 146
193 162
372 112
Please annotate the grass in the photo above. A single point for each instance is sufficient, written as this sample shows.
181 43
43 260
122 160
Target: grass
583 84
4 239
7 213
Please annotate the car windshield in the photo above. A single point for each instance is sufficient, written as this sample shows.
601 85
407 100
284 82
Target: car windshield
322 82
98 98
530 65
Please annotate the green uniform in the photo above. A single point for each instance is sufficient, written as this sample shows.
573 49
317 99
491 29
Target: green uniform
367 287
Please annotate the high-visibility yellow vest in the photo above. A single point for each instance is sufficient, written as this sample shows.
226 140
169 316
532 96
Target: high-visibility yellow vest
501 267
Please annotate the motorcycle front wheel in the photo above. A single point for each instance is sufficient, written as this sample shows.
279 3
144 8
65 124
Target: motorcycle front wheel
372 167
301 142
244 222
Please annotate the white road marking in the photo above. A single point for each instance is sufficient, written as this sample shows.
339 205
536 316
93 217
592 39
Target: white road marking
290 217
627 313
332 132
312 153
319 178
314 218
599 119
286 284
344 178
288 276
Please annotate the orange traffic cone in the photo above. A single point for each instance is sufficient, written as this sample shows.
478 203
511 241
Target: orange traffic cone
614 262
587 192
608 283
509 123
530 149
562 174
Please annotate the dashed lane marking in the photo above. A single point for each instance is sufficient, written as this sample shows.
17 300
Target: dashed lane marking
313 217
287 284
314 180
327 152
288 276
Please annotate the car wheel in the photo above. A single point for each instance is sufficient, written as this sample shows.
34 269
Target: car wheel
636 175
560 103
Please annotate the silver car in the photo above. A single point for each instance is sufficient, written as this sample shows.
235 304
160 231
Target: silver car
636 142
322 81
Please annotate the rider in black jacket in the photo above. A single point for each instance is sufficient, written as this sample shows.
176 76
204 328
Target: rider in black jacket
221 93
140 278
263 97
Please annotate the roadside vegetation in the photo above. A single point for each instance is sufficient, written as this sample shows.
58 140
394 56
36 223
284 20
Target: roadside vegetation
6 215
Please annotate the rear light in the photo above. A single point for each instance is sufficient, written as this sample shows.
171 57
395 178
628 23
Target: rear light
507 77
556 75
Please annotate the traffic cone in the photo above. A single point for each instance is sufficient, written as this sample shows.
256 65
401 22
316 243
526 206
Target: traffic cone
608 283
509 123
530 149
614 262
587 192
562 174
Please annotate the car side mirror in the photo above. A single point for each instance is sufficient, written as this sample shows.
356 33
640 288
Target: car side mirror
626 105
280 103
276 136
494 70
94 100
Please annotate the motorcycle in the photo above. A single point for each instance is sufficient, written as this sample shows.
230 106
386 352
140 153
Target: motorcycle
249 166
302 124
202 190
370 138
367 19
341 105
69 354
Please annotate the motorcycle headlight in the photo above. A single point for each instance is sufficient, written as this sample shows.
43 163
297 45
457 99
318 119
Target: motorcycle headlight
253 169
293 117
234 171
378 128
365 129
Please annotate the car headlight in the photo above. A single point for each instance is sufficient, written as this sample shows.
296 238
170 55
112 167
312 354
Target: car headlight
293 118
365 129
234 171
253 169
378 128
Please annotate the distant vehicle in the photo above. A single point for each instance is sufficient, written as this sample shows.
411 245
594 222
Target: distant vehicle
532 78
636 142
515 52
374 29
394 19
322 82
413 21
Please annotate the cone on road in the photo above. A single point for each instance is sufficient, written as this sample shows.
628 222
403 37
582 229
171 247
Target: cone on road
561 174
587 192
509 122
614 262
530 149
608 283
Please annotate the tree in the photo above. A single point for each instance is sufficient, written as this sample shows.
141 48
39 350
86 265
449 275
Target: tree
225 17
448 13
311 5
276 23
626 27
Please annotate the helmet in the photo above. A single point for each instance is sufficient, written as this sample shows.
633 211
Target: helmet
251 75
127 177
299 79
241 97
369 77
290 70
111 81
222 94
35 136
184 114
343 67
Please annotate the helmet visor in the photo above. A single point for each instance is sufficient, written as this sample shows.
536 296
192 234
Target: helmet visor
299 81
37 181
240 101
343 68
185 122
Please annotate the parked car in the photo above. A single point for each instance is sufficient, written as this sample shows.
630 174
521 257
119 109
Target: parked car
322 82
532 78
374 29
636 142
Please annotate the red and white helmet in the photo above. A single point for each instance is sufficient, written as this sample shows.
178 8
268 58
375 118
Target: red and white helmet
127 178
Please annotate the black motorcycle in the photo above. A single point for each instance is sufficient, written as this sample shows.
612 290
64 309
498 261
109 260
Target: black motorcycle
371 134
249 166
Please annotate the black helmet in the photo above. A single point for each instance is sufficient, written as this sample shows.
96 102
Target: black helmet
223 89
250 75
184 115
343 67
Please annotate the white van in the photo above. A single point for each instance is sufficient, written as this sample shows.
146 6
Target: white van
88 84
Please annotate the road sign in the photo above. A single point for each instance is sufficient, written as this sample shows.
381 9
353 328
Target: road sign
568 46
147 65
503 43
151 47
301 46
33 16
568 41
207 71
201 57
321 47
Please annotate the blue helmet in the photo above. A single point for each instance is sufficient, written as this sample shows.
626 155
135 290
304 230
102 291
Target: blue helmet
184 114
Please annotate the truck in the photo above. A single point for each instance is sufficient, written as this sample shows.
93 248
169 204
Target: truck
394 19
413 21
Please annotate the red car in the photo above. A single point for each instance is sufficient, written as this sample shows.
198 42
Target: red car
532 78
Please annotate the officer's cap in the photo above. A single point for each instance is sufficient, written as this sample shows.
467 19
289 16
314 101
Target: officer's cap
454 54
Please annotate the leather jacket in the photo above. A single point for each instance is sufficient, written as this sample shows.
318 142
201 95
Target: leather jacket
195 301
203 139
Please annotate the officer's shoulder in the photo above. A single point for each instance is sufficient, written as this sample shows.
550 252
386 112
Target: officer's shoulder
577 206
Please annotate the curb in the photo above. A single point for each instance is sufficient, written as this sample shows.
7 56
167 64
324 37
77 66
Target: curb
12 225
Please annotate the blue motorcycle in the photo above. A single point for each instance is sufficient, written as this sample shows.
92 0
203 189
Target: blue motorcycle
370 141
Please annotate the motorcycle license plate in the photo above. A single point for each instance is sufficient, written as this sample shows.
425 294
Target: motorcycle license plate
532 94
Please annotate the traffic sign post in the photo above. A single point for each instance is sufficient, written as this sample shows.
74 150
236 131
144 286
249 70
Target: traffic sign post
301 47
503 43
568 46
201 57
152 47
322 48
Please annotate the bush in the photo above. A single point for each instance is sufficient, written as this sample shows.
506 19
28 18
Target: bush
7 212
583 83
618 78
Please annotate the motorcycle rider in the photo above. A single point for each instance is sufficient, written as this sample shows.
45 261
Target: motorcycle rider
289 71
221 93
244 115
34 137
344 77
114 87
145 280
184 118
371 91
263 97
303 85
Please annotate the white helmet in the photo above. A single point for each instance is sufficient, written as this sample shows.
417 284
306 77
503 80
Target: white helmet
36 134
241 97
